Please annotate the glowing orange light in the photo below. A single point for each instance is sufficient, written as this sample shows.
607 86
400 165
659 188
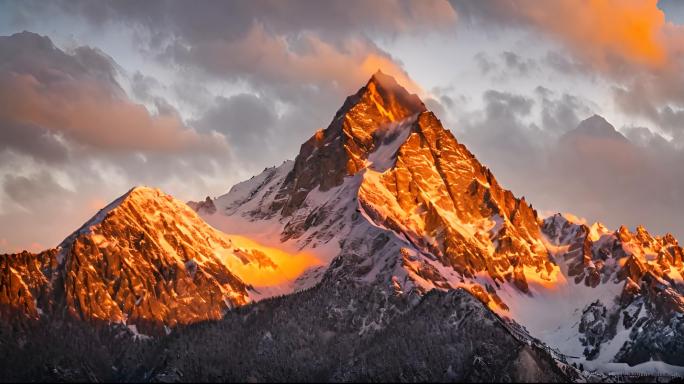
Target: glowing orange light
374 62
279 266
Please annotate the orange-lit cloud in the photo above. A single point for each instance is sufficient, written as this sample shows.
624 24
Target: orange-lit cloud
87 112
374 62
76 96
603 29
276 60
629 42
606 33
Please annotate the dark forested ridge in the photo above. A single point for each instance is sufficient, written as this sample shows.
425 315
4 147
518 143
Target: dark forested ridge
334 332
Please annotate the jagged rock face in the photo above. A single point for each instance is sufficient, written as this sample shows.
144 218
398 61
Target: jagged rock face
206 206
442 199
419 182
146 260
151 262
648 265
341 149
648 269
24 284
596 326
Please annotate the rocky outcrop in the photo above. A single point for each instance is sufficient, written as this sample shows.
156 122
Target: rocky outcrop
443 200
419 182
645 264
25 284
649 270
207 206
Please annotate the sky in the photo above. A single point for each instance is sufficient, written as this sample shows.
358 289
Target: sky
576 105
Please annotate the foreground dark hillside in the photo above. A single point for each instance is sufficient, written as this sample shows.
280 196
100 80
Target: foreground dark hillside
361 334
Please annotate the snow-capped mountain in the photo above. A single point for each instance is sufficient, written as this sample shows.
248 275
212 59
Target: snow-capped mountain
386 163
411 208
382 219
146 261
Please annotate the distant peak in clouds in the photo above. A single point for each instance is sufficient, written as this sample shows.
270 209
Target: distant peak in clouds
597 127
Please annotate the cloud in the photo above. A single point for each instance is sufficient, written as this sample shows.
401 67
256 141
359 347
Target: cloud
76 95
209 20
484 63
37 189
564 64
517 64
549 149
266 60
639 100
71 139
33 140
249 122
606 33
562 113
321 38
630 43
503 137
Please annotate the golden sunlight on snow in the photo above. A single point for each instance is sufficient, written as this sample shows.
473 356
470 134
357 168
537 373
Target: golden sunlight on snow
263 266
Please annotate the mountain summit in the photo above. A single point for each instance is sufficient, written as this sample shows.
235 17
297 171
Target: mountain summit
343 148
419 182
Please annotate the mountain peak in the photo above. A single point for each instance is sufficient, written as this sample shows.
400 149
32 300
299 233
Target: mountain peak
148 259
390 96
342 149
597 126
137 195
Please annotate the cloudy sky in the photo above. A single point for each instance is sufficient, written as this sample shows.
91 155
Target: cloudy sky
191 97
